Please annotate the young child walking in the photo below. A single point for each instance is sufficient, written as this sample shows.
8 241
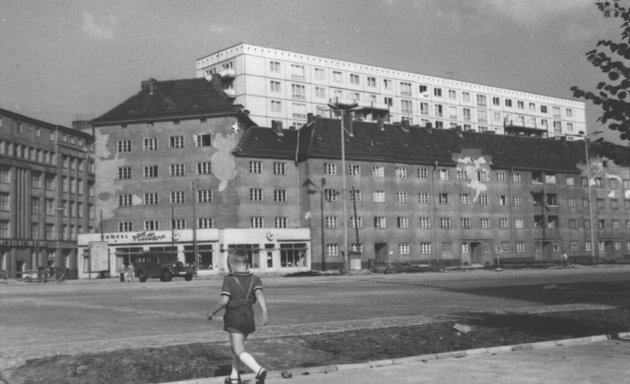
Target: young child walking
241 289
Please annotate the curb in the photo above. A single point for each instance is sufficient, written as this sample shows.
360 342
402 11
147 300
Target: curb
422 358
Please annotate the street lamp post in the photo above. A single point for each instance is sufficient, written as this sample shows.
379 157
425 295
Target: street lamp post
320 190
590 195
343 107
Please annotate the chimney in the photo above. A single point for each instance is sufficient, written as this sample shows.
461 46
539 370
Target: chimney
309 118
149 86
380 123
276 126
216 82
405 125
347 122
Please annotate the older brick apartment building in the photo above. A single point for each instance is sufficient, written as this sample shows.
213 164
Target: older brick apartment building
181 169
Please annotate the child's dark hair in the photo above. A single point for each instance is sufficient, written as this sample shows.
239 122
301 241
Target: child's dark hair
238 256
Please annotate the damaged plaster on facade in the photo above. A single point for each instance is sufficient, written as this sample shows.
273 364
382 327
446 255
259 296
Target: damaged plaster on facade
473 163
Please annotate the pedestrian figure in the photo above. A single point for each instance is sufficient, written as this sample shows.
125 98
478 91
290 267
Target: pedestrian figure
122 270
131 272
241 289
565 259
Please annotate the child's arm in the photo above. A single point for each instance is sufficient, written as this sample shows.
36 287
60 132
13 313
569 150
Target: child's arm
223 301
263 305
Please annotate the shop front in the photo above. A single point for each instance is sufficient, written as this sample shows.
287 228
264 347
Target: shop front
285 250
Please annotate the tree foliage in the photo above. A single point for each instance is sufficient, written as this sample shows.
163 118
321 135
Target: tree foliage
611 57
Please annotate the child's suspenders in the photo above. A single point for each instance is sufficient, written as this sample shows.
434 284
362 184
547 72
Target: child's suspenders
249 289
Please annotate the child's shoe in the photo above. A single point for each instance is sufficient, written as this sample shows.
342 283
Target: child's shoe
260 377
229 380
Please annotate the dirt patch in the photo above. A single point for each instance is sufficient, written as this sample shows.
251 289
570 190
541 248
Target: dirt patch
155 365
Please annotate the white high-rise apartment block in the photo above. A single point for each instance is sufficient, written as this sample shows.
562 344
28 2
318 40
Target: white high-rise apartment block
285 86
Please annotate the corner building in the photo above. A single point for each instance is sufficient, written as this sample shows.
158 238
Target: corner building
286 86
168 181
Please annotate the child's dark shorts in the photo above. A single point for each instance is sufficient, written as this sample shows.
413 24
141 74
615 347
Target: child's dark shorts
239 319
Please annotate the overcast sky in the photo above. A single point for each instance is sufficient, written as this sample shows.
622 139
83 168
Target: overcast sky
64 58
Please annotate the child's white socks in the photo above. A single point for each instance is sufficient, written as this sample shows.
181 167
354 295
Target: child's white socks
249 360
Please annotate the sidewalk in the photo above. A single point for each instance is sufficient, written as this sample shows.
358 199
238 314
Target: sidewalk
590 360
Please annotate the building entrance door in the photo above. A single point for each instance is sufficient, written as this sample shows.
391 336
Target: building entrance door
380 252
476 251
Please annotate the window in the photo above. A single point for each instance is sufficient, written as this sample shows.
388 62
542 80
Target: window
356 222
485 223
616 224
255 167
150 171
257 222
405 89
423 173
125 200
151 225
320 92
425 248
204 168
178 197
354 170
279 168
437 92
4 202
274 66
151 198
464 199
123 145
504 223
613 183
465 223
177 169
256 194
483 199
502 200
387 84
380 222
443 198
204 140
371 81
331 194
519 223
279 195
517 200
600 203
125 226
177 142
508 103
439 110
354 79
355 195
401 172
402 222
178 224
205 222
406 107
481 100
330 168
378 171
337 77
462 175
204 196
496 101
425 222
423 198
276 106
331 222
443 174
274 86
402 197
124 173
280 222
378 196
332 249
298 91
424 108
445 222
614 203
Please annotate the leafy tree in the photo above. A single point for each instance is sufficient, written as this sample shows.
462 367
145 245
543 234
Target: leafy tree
611 57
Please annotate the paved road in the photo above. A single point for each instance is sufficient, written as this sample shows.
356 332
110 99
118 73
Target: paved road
99 315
